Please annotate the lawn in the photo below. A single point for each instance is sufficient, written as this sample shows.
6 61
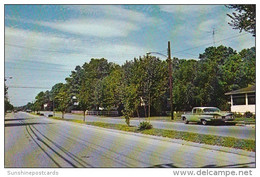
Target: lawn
231 142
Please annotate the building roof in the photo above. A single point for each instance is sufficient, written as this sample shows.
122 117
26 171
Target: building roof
249 89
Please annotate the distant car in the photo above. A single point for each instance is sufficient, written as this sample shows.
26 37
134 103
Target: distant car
206 115
28 110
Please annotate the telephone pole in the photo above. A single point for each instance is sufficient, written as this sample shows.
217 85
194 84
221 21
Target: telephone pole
170 78
169 60
213 35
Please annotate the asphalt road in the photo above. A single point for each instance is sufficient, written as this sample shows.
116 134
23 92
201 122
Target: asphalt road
242 132
36 141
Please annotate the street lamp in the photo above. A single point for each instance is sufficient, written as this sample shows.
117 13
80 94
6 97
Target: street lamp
170 73
9 77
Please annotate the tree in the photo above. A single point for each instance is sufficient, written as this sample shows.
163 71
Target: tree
145 81
184 91
8 105
74 82
40 100
140 86
154 80
84 97
53 94
130 101
245 19
94 72
64 99
5 92
111 89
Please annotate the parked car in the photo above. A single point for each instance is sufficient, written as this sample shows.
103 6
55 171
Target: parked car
28 110
206 115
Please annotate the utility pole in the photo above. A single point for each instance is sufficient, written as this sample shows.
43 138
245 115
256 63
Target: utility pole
170 77
213 35
53 107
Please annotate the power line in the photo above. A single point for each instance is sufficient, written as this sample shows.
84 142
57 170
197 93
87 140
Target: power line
209 43
56 70
26 87
27 68
32 48
56 51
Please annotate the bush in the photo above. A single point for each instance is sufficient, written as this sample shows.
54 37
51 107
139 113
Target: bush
145 125
248 114
237 115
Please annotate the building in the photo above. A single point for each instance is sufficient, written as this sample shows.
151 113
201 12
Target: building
243 100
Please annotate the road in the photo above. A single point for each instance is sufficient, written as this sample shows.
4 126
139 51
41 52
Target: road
241 132
36 141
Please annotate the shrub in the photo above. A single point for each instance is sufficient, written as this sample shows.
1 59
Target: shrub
237 115
248 114
145 125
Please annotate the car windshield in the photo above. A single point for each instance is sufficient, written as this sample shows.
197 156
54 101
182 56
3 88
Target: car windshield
211 110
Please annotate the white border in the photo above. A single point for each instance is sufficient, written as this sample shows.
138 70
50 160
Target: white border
112 171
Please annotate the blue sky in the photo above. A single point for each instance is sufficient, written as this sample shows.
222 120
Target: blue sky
43 43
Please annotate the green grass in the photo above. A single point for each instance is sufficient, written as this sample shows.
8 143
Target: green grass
244 119
177 117
34 113
231 142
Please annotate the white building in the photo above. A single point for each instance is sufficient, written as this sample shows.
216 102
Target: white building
243 100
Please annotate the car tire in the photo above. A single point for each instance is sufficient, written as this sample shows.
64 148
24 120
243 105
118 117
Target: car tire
204 122
185 120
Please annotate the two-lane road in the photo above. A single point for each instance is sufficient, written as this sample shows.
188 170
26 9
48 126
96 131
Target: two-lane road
241 132
33 141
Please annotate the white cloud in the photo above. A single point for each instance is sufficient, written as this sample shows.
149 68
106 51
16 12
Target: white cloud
93 27
44 47
113 11
207 26
187 9
98 21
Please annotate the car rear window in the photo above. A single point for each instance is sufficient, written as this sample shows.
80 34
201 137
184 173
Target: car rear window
211 110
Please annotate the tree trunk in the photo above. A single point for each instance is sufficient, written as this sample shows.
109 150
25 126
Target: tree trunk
84 115
137 111
145 111
62 114
149 107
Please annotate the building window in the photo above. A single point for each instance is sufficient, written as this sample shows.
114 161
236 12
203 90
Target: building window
239 99
251 98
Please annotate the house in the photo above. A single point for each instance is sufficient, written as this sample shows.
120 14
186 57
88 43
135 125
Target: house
243 100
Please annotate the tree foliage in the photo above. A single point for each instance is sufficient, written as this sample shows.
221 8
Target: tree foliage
140 87
63 98
244 18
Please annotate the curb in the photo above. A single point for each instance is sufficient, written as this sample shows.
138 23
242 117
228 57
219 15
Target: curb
177 141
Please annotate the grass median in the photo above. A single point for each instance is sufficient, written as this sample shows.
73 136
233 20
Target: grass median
231 142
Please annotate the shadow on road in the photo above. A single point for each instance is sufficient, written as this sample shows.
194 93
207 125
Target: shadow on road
16 119
23 124
168 165
215 124
239 165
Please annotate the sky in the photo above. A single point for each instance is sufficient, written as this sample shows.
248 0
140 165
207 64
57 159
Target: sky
44 43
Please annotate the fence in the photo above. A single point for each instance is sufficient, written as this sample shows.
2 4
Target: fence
97 113
102 113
